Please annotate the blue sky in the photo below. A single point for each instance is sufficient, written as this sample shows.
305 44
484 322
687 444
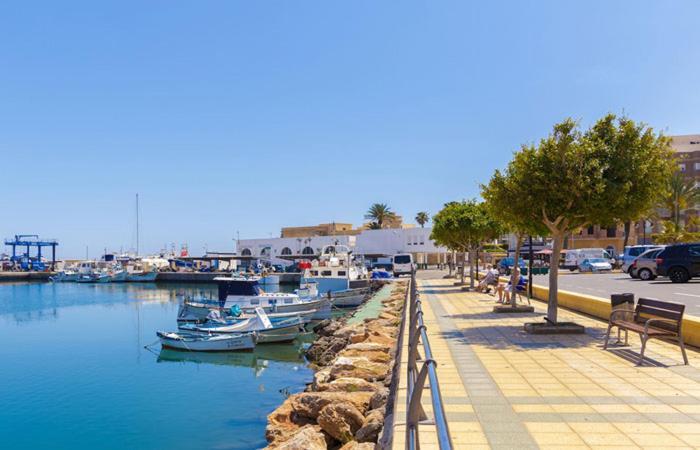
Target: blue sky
248 116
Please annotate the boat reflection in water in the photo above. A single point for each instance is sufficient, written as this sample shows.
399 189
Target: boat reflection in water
258 359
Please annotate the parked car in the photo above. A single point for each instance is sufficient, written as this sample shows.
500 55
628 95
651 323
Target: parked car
402 264
595 265
633 251
574 257
679 262
505 265
644 266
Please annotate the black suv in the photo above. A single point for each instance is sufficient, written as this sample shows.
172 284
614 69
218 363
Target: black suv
679 262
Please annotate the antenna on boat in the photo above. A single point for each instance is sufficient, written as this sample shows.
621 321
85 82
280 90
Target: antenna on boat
137 224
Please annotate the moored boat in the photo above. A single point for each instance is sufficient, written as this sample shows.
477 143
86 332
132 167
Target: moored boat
197 342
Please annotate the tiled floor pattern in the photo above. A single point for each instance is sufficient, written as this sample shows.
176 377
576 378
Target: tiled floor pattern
503 388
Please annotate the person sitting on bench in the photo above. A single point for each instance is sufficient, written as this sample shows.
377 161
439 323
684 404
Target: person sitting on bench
491 279
504 290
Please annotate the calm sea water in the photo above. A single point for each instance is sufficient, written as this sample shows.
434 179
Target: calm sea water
74 373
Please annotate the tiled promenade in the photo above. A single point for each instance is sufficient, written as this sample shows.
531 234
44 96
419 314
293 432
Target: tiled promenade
503 388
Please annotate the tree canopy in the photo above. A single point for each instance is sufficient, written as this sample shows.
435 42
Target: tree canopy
614 171
380 213
422 218
461 226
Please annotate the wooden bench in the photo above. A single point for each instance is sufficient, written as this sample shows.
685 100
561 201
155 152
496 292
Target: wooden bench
650 319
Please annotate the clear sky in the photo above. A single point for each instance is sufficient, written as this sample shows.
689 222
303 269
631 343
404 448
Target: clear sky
248 116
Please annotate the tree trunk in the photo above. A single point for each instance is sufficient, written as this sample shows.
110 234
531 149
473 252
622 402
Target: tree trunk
464 263
628 226
566 241
449 264
513 278
553 274
471 268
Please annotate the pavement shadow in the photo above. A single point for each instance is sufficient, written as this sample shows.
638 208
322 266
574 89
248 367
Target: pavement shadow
495 316
502 337
630 355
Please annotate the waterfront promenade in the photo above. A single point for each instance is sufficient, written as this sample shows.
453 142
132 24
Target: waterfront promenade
503 388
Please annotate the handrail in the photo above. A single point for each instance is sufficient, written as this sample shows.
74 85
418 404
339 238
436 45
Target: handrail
415 415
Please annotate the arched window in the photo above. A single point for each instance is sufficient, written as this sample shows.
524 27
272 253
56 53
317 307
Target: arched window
246 252
307 251
286 251
265 251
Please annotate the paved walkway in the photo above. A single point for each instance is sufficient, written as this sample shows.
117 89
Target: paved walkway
503 388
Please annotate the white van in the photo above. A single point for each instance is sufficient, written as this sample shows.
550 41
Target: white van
575 257
403 264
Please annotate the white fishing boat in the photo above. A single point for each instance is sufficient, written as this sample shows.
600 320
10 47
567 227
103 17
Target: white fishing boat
194 311
245 293
281 331
65 276
96 277
197 342
333 270
349 298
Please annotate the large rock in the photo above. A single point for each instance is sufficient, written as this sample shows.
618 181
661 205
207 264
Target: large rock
340 420
374 356
359 367
371 426
309 437
354 445
380 338
283 422
325 349
349 330
310 404
327 327
369 347
379 398
348 384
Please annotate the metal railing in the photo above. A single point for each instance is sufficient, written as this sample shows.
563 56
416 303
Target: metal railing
415 415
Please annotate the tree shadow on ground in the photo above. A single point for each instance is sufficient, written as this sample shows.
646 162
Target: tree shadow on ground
496 316
445 290
513 337
502 337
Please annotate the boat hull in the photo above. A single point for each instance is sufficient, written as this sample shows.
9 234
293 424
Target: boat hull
207 343
141 277
350 298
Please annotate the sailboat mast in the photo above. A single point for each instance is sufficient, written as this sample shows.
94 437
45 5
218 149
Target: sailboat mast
137 224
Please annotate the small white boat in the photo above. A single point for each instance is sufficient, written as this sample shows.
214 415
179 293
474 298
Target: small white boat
141 276
196 342
285 330
65 276
334 269
193 311
96 277
349 298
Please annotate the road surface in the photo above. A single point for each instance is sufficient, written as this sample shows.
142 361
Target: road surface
602 285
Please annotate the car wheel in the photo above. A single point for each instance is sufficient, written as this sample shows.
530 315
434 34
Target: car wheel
645 274
678 275
633 274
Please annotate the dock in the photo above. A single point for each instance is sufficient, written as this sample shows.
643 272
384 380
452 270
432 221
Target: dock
25 276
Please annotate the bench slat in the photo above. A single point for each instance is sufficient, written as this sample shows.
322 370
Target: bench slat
671 306
663 313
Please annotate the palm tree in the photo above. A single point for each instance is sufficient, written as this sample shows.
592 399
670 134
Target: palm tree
682 194
422 218
380 213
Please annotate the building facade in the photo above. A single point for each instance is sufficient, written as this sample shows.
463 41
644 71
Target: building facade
369 243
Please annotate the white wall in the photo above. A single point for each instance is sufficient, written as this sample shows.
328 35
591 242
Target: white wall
387 242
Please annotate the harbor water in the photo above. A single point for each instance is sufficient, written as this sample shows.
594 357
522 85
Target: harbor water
75 373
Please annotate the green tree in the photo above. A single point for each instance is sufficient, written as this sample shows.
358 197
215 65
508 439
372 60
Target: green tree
571 179
463 227
380 213
422 218
681 194
502 195
635 164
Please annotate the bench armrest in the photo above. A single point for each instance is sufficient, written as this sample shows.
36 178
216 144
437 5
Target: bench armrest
674 322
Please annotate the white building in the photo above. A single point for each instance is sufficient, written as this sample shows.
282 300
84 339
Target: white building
370 243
